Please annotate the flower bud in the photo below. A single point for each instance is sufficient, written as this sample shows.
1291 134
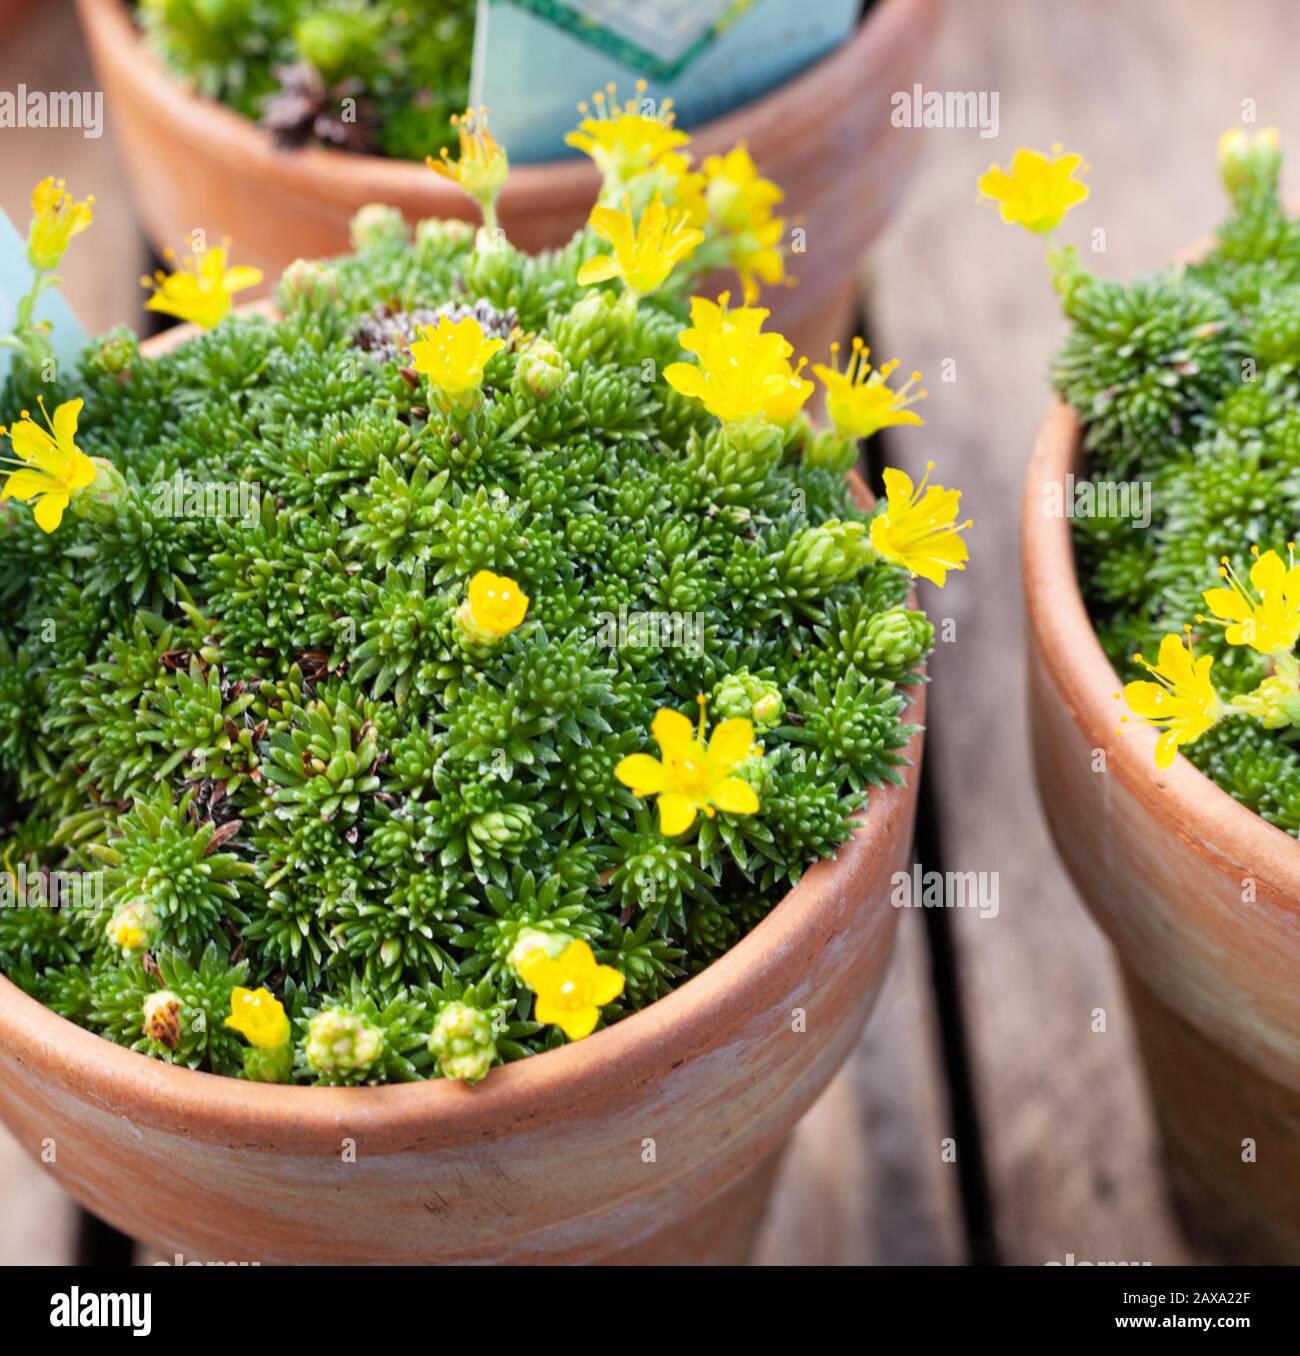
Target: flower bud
268 1066
134 927
742 696
339 1041
162 1018
309 280
113 353
1249 160
377 224
463 1042
440 236
540 371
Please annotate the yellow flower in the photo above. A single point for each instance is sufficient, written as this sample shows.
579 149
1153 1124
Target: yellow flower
259 1016
918 528
496 605
1037 192
570 989
1182 703
624 141
51 467
644 255
1267 619
482 168
859 401
741 372
199 291
56 218
740 201
453 354
691 777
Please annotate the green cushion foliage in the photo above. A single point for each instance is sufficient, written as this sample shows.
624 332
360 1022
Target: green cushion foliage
258 717
1187 381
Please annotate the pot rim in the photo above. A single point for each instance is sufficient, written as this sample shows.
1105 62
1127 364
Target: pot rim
523 1094
1210 823
229 137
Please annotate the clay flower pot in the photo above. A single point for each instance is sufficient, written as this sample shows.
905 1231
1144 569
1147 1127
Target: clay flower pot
1200 897
824 137
653 1141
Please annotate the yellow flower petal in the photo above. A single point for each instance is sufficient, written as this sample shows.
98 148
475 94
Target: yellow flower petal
731 741
48 509
672 731
736 797
600 268
676 813
643 774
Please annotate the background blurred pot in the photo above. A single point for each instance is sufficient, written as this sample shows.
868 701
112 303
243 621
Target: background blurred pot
1200 897
824 137
655 1141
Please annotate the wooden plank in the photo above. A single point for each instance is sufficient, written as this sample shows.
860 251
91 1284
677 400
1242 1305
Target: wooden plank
39 1218
101 281
863 1180
1142 92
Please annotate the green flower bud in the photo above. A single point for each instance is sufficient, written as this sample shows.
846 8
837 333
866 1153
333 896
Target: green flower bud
377 224
98 500
113 353
439 237
1249 161
897 639
540 371
742 696
339 1041
463 1042
308 280
268 1066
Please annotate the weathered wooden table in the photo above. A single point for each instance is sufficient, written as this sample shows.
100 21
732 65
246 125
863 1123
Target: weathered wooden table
981 1118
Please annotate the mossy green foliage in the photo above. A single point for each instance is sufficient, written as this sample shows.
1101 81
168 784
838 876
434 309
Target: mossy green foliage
1187 382
260 719
406 63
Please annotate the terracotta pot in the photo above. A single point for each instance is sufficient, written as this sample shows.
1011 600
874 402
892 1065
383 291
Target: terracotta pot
654 1141
1200 897
824 137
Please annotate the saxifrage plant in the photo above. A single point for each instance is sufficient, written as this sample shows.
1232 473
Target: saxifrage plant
1188 389
375 76
461 658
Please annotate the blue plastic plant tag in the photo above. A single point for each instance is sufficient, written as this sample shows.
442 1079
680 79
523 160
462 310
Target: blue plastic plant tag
535 59
16 276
